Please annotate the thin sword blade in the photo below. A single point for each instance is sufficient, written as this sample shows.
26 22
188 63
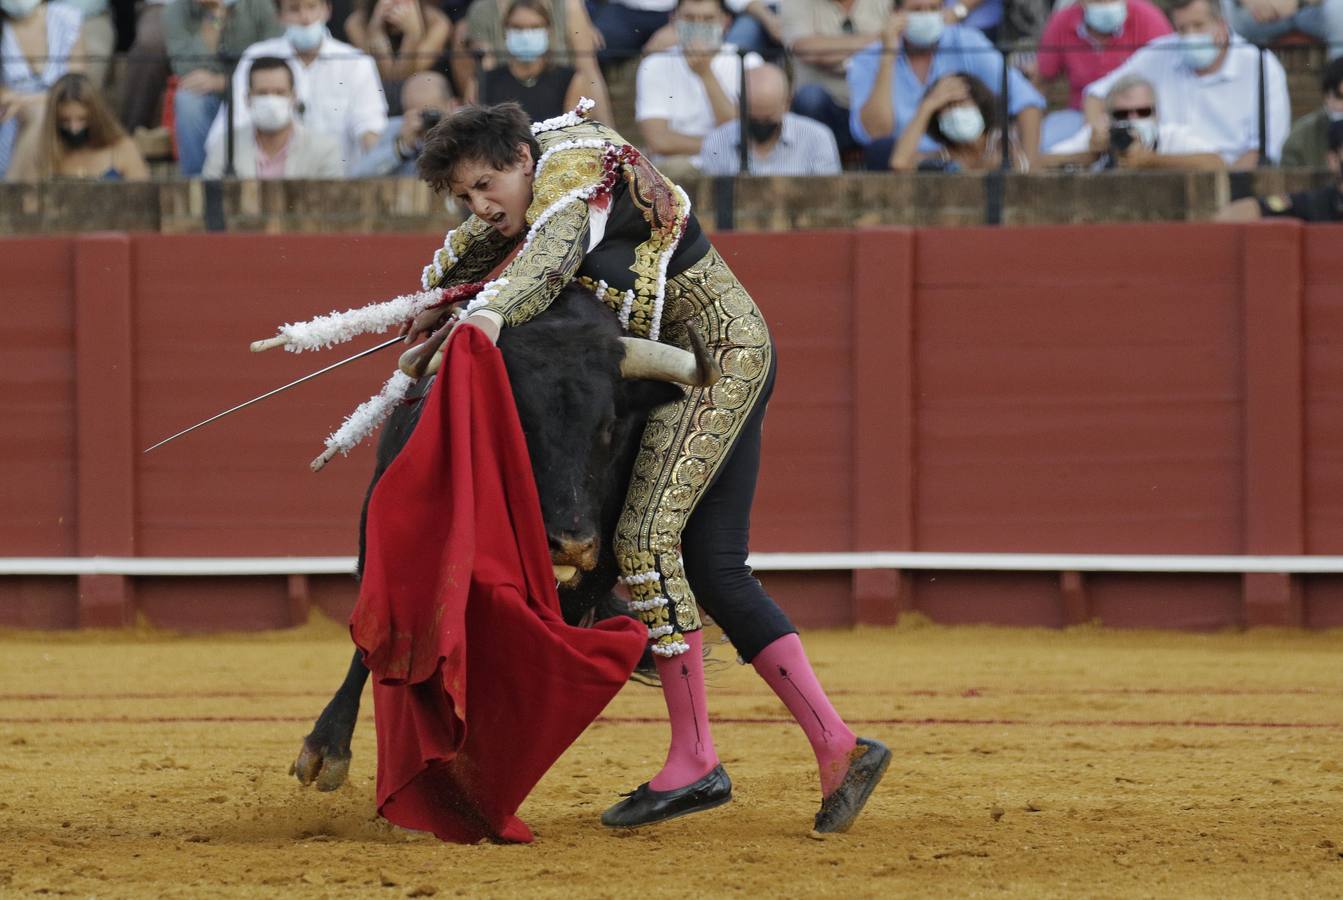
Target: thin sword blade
360 355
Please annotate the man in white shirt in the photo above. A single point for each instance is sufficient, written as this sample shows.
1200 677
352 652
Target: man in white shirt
1136 137
684 93
1207 79
336 84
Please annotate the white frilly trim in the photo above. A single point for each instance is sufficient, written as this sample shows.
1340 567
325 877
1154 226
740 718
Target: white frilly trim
337 328
670 650
487 293
368 415
437 268
661 296
575 116
660 631
646 605
641 578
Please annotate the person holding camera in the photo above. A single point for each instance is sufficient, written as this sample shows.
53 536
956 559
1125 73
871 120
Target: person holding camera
1134 137
426 98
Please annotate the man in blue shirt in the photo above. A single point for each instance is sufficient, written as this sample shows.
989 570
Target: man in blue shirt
887 79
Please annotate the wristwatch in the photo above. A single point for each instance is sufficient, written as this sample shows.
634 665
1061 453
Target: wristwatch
960 11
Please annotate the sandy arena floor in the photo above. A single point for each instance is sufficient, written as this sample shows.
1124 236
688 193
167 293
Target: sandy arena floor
1028 763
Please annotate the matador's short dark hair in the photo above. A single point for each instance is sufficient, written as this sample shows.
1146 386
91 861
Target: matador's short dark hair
490 134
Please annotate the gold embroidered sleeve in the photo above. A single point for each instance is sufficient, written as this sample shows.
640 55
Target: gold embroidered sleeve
469 253
536 275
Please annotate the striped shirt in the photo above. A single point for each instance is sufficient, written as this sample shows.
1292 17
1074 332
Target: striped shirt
805 147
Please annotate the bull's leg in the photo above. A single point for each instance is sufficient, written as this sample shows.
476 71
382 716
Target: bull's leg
325 757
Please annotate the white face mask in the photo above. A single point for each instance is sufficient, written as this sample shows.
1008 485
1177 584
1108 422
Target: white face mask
1199 49
1107 18
1145 130
961 124
271 112
306 37
923 29
19 9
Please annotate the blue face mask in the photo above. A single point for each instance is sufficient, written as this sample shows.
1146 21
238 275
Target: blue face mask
306 37
923 29
527 44
1106 18
1199 50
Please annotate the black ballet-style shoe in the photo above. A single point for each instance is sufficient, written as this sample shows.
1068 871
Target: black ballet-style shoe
845 802
645 806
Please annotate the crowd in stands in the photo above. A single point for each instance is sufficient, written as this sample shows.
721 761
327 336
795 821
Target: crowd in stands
348 88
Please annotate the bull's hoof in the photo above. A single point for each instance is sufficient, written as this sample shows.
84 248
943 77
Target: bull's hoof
314 766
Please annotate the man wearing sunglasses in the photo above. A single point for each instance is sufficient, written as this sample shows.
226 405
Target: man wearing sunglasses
1134 137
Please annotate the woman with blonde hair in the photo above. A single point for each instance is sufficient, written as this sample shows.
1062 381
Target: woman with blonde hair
80 138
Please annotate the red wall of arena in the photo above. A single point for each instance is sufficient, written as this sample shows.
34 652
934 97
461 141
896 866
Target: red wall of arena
1098 389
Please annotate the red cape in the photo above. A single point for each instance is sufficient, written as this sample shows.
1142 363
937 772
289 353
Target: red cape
479 686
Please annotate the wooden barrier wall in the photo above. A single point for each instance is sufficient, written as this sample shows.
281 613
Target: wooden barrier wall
1101 389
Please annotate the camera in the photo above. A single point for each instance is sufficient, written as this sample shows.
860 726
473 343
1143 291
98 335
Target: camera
1121 137
429 118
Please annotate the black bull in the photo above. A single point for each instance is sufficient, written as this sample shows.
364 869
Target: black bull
582 422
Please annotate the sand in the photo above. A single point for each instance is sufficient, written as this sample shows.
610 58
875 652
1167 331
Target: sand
1027 764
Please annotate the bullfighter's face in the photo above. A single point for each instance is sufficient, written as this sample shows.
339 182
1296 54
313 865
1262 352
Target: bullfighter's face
498 196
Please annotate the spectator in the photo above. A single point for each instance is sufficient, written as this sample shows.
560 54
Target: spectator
272 144
959 114
573 41
402 36
99 36
425 99
529 76
336 84
755 27
822 36
684 92
779 142
1323 205
1087 41
80 138
147 68
204 37
985 16
1207 79
626 25
1308 143
1136 137
1264 21
887 80
39 43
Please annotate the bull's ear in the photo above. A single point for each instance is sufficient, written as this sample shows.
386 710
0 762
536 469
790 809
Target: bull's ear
640 395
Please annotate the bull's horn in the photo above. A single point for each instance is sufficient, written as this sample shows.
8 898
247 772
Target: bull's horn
564 573
269 343
663 362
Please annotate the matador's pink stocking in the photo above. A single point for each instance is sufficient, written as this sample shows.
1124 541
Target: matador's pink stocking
691 754
784 666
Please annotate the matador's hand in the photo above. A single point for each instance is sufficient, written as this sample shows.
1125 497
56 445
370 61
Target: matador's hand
425 324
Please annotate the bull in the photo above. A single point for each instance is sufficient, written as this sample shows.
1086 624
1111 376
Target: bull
583 395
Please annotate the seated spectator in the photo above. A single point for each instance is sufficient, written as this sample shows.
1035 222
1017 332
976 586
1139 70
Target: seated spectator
1264 21
529 76
985 16
755 27
272 144
1087 41
822 36
203 37
99 37
573 41
778 142
888 79
626 25
1136 137
147 68
402 36
425 99
683 93
80 139
1323 205
1308 143
336 84
39 43
1207 79
959 114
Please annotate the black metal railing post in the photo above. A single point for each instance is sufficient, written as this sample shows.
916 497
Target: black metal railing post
743 150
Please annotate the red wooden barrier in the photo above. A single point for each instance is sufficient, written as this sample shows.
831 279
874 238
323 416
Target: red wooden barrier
1100 389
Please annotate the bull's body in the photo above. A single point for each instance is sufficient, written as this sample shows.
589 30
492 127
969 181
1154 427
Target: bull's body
582 424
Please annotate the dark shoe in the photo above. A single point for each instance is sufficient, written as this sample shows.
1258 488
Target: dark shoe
866 766
644 806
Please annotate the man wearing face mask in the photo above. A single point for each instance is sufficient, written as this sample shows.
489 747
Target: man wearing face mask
336 86
684 93
1087 41
887 79
202 36
779 142
426 99
1308 144
1207 79
1322 205
272 144
1136 138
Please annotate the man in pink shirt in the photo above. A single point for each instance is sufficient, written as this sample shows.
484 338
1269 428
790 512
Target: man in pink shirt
1086 41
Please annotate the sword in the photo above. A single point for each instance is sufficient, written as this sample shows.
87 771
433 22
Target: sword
360 355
